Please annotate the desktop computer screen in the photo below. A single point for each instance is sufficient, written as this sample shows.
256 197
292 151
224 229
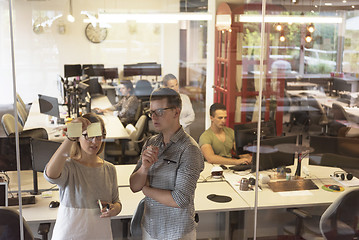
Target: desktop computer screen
8 154
145 69
276 159
111 73
49 105
42 151
93 70
72 70
245 134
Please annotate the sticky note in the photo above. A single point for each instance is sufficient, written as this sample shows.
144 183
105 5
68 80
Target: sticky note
94 130
74 129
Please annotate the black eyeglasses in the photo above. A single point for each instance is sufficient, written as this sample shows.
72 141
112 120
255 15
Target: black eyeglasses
158 112
90 139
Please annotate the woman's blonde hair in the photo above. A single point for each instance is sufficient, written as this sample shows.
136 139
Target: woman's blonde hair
76 147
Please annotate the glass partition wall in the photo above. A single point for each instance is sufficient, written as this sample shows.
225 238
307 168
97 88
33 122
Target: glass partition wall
298 77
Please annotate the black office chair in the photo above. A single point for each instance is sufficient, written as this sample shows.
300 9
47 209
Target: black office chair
339 221
10 226
143 90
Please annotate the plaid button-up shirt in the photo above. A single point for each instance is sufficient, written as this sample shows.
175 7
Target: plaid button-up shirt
179 165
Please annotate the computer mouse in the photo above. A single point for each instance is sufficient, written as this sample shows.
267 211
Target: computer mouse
54 204
335 187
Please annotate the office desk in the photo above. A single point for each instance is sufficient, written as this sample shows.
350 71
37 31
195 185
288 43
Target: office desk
267 199
300 85
214 217
114 127
40 212
124 172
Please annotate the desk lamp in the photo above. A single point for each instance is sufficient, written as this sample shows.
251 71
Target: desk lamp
299 150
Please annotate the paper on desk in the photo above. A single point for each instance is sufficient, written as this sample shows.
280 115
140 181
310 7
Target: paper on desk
348 183
295 193
94 129
74 129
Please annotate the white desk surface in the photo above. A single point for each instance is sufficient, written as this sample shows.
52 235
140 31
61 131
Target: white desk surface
267 199
124 172
114 127
301 84
324 100
40 212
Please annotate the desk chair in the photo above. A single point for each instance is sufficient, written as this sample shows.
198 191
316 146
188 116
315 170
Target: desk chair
21 113
339 221
132 148
10 226
8 123
317 117
143 90
338 113
19 99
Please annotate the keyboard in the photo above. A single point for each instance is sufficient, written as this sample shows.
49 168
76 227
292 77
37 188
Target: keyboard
241 167
26 200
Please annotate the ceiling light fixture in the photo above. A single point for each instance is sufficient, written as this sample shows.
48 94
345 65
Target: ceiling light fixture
308 38
152 17
70 17
278 27
282 37
286 19
311 28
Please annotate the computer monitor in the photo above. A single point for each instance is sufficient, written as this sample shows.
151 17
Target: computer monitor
245 134
72 70
243 138
93 70
144 69
276 159
49 105
8 154
61 86
42 151
94 86
111 73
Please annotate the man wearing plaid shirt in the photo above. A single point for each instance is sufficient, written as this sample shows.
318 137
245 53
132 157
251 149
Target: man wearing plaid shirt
167 172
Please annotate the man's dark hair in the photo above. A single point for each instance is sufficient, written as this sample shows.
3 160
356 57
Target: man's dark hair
167 78
128 84
216 106
173 97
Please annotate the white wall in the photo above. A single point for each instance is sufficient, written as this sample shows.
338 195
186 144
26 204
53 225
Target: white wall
40 57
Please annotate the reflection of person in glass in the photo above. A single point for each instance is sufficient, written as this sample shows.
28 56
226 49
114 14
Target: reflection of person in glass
187 114
84 178
128 104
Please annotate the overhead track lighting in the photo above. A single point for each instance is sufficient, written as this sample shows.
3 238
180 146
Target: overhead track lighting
287 19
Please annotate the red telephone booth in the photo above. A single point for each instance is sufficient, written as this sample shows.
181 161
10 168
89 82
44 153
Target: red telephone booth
236 82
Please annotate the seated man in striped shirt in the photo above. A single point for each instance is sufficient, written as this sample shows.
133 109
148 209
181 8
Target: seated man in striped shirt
167 172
